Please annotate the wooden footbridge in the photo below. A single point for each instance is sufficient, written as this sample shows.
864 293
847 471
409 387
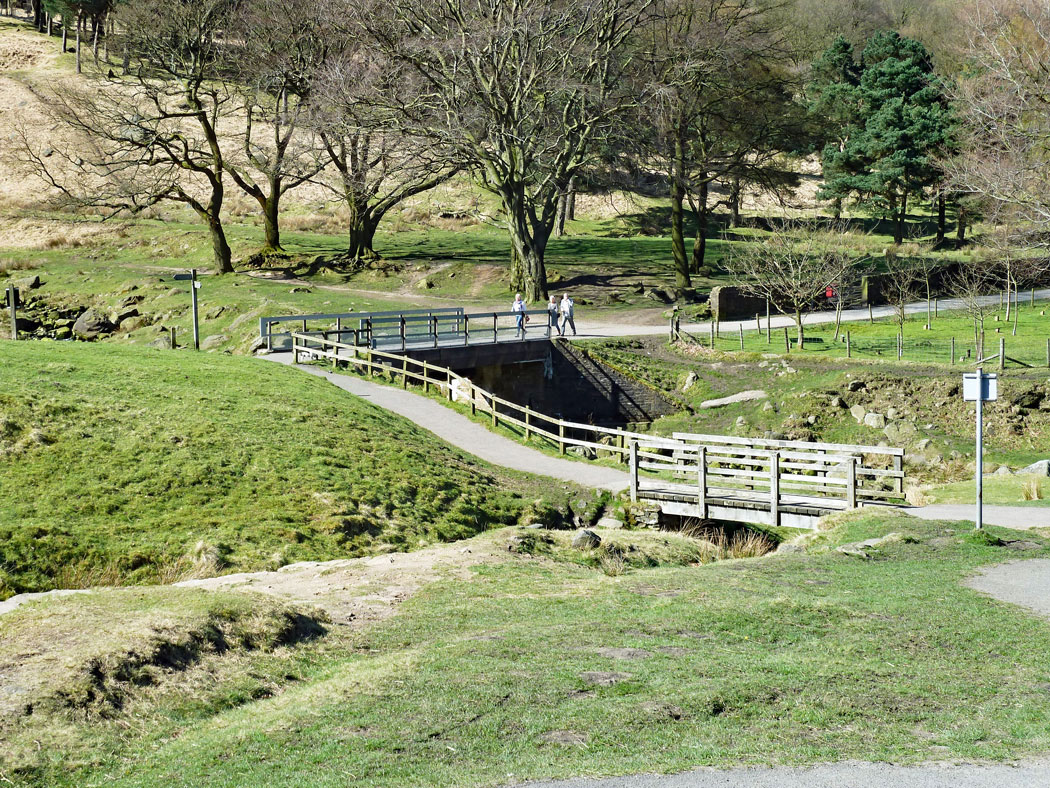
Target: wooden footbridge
716 477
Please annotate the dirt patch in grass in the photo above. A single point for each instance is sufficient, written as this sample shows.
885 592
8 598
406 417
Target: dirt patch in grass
93 654
359 591
54 234
21 51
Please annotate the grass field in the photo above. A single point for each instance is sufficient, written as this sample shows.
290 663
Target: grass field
878 339
798 658
132 465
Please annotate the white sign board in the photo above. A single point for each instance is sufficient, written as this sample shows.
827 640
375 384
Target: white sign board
979 386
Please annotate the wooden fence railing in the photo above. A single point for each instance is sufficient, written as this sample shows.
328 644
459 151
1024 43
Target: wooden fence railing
716 466
456 388
714 471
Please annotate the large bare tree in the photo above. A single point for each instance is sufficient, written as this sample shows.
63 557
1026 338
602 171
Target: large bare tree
521 91
715 106
153 134
378 163
274 56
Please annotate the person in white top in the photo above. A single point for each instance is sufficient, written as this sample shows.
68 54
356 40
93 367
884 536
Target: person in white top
567 313
518 308
552 315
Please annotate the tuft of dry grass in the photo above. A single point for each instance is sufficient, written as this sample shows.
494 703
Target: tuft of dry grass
1032 490
717 545
916 495
9 264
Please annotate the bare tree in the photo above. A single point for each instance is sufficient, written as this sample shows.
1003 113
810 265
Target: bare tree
153 135
792 268
519 91
901 284
275 54
714 106
970 284
377 164
1003 102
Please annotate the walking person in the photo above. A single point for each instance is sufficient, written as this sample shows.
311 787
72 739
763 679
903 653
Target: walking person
552 315
518 308
566 307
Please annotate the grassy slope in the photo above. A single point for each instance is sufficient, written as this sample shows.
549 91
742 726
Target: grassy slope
788 659
129 465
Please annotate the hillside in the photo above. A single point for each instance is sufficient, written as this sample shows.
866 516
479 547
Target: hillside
131 465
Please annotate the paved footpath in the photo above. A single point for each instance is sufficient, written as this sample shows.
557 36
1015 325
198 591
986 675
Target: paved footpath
589 330
467 435
848 774
1020 518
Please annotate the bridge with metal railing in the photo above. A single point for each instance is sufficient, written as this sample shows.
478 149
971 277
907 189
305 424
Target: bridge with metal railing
770 482
406 330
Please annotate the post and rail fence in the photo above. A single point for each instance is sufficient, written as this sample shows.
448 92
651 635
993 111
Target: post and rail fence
775 482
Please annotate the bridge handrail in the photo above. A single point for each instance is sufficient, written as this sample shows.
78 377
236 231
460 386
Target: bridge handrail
265 322
736 463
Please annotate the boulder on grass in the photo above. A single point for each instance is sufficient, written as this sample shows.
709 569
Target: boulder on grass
1040 468
586 539
92 324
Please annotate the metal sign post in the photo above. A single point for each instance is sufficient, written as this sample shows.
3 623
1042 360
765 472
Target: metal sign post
195 285
979 388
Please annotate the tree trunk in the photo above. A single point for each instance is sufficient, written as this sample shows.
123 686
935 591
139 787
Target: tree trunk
898 227
837 208
800 340
681 265
700 241
65 33
942 216
528 238
220 248
78 44
734 202
960 225
271 210
559 222
570 201
362 237
94 39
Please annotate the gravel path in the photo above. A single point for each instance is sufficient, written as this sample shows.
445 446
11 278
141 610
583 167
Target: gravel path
849 774
466 434
1024 583
1020 517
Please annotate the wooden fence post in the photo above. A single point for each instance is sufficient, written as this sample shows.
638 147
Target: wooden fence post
849 346
787 342
1048 353
426 379
528 425
851 483
634 471
900 346
774 489
495 417
1002 352
701 481
741 327
898 466
561 438
953 351
473 399
769 335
